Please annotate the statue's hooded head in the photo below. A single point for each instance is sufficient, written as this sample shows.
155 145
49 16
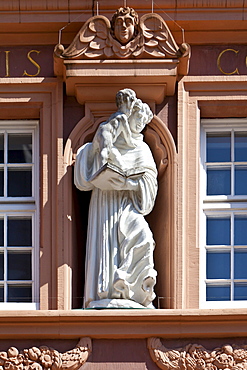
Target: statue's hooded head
125 99
124 25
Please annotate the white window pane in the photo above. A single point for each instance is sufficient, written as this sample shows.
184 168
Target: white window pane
240 264
240 291
19 182
19 148
218 265
218 231
240 146
240 180
19 231
218 293
218 181
218 147
240 230
19 293
19 265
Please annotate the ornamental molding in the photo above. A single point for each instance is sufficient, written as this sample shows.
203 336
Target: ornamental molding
39 358
99 39
196 357
126 51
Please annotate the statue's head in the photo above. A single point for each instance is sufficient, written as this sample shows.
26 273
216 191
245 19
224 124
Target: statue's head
125 100
124 24
140 116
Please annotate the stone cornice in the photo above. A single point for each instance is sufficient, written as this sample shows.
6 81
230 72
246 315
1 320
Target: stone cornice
38 22
35 6
124 323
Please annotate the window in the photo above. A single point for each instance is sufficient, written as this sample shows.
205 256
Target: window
19 193
224 204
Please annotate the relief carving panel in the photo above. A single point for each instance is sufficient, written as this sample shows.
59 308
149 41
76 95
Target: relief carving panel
38 358
196 357
123 37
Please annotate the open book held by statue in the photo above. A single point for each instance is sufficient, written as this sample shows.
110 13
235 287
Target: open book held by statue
108 171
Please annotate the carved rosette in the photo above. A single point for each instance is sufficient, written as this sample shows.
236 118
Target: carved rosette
47 358
196 357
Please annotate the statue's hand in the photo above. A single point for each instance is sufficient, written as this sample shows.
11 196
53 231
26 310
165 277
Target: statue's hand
118 182
132 184
121 183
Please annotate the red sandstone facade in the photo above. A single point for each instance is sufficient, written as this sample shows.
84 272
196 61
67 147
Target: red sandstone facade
69 101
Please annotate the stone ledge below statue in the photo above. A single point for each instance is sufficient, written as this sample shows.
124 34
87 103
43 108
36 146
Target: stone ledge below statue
116 303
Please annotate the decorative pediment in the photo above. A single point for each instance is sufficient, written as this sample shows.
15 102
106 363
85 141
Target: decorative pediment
126 51
97 39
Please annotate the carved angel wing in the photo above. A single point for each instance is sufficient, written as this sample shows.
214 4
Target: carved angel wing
92 41
95 41
158 40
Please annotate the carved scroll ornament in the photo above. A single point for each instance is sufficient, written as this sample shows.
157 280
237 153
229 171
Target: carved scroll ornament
43 357
123 37
196 357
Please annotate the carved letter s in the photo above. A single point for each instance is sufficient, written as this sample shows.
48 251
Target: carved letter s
34 63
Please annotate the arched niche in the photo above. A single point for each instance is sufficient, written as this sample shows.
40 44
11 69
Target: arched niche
162 219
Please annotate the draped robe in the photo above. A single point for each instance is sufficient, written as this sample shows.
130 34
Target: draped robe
119 252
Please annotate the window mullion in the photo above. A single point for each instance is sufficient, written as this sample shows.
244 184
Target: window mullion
5 163
232 164
5 256
232 256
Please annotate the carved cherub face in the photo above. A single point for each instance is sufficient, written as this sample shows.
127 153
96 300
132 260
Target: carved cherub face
124 23
124 28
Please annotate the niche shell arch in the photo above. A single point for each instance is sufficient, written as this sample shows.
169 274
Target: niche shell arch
161 219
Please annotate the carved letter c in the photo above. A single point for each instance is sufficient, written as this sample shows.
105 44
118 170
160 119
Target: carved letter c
219 60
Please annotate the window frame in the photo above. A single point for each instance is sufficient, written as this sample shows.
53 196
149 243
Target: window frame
23 207
218 205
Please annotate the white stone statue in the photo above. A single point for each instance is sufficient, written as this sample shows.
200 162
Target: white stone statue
119 257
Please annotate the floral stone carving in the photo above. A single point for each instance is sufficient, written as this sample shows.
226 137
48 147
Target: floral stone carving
43 357
196 357
123 37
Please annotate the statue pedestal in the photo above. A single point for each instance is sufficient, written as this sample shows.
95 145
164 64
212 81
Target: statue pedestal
116 303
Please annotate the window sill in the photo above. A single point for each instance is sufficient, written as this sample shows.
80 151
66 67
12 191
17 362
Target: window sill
18 306
224 305
106 324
